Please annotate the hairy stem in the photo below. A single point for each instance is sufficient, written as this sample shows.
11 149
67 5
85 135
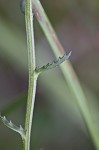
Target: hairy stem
67 70
32 77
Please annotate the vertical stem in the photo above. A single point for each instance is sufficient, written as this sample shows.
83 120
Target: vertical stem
32 77
67 70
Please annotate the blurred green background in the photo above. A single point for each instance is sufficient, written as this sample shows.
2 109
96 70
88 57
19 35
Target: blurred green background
57 123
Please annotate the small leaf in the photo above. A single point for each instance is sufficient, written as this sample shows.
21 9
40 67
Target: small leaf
54 64
12 126
22 6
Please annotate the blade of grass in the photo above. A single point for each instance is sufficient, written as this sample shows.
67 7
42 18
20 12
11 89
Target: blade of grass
67 70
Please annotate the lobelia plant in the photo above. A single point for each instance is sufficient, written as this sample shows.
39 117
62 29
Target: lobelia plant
27 6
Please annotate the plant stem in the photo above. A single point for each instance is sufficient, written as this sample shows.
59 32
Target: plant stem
67 70
32 77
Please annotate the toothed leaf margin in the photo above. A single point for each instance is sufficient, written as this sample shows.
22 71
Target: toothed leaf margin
54 64
12 126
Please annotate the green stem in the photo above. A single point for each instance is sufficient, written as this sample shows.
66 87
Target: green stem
67 70
32 76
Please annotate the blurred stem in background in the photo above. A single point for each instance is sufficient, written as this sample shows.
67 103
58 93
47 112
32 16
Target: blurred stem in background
16 103
67 70
14 55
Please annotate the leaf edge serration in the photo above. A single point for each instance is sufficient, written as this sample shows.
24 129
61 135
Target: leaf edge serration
54 64
12 126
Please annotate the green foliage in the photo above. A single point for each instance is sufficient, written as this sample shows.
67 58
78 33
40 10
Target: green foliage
22 6
12 126
69 75
54 64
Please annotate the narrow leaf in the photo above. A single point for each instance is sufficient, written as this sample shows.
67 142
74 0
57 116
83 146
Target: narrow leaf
54 64
12 126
